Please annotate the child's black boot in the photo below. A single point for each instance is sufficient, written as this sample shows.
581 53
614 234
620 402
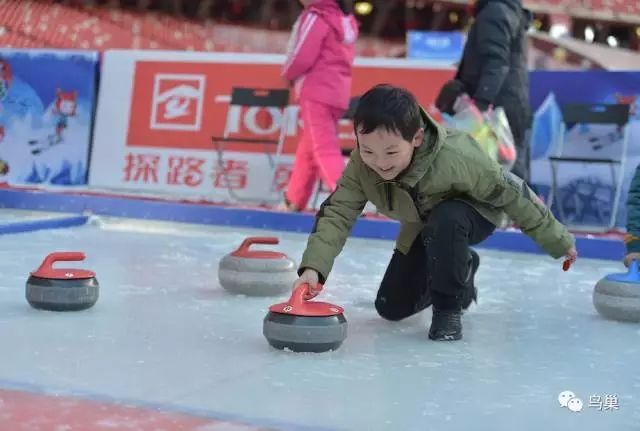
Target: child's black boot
446 325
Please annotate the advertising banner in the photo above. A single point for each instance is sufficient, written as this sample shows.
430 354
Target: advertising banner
47 102
159 113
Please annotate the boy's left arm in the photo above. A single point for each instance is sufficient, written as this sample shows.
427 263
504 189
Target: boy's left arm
487 182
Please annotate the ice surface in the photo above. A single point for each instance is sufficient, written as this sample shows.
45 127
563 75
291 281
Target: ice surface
165 333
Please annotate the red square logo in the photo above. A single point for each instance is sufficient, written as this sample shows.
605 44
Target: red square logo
177 102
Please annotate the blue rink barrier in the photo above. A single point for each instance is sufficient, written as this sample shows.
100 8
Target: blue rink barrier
42 224
116 206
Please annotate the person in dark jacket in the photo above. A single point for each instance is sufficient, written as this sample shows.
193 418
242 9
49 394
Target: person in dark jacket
493 70
632 238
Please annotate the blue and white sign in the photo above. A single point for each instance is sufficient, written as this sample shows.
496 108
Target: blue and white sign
435 45
47 100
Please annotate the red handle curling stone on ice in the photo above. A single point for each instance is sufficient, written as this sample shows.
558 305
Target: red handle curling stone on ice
299 304
302 325
243 250
46 269
62 289
257 272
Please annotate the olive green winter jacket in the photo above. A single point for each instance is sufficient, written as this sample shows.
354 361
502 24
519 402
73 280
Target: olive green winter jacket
448 165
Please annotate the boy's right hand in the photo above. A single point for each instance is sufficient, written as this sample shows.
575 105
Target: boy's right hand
309 276
631 257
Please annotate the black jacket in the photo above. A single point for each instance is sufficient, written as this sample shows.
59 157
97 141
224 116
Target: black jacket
493 68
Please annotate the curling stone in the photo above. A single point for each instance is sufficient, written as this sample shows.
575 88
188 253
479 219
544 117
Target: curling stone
62 289
302 325
257 272
617 296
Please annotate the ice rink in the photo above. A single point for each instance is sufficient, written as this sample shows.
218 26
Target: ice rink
166 348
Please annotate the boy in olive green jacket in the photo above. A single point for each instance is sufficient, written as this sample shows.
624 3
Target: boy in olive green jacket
447 194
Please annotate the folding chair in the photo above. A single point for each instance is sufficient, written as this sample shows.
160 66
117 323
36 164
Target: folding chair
255 97
347 116
618 115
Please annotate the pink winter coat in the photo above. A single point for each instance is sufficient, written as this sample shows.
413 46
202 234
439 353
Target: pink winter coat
320 54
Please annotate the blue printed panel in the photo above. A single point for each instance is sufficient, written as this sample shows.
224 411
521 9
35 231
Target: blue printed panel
47 100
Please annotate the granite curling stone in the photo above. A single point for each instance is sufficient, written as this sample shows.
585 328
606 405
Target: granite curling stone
257 272
617 296
301 325
62 289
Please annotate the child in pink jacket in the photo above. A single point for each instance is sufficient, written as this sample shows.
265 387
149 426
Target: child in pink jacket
319 60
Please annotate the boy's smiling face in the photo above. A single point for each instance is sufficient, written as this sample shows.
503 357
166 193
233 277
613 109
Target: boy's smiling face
387 152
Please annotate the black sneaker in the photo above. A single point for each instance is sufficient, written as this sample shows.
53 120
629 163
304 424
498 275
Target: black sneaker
446 325
472 289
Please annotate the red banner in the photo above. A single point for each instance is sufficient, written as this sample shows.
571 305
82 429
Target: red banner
184 104
158 112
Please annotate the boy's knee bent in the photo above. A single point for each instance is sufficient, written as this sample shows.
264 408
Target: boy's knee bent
390 312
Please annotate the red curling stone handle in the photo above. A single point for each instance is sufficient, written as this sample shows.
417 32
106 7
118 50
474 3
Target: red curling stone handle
301 294
69 256
46 269
243 250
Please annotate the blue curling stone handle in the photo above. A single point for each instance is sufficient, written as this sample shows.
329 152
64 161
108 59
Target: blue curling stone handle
632 276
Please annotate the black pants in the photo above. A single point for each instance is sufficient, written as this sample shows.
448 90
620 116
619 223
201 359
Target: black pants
436 268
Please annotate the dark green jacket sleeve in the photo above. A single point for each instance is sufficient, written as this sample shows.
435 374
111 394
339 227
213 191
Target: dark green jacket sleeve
632 239
485 181
333 224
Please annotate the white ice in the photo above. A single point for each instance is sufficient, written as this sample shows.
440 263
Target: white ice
165 333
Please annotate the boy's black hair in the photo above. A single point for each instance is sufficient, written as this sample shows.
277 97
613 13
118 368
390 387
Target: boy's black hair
392 108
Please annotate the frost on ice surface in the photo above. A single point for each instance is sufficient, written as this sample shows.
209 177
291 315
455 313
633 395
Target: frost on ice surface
164 332
225 426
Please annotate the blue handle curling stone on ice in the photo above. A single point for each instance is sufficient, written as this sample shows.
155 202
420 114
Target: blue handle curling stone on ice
617 296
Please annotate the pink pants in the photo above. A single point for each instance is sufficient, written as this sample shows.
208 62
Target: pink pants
318 153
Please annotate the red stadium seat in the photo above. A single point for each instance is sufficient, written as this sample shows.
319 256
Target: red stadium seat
47 24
